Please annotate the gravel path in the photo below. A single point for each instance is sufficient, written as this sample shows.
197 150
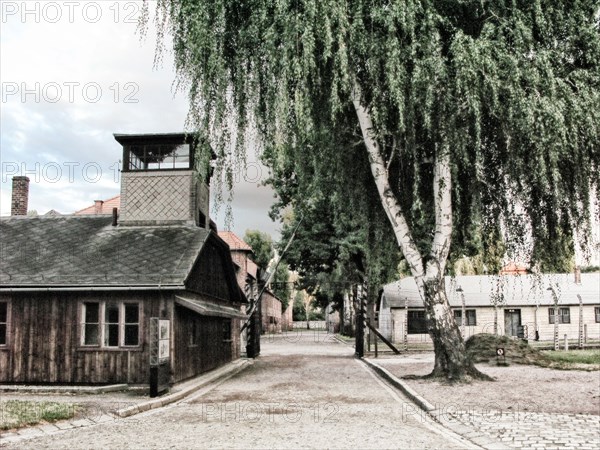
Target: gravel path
516 387
305 391
526 407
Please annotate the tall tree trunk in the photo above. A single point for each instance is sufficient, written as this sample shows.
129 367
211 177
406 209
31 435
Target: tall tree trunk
451 359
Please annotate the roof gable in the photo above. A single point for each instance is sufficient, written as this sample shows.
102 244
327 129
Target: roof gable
213 273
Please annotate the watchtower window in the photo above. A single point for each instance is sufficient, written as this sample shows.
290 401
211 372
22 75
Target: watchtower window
158 157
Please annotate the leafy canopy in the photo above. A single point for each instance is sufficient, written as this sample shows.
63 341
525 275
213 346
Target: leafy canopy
262 247
262 254
510 88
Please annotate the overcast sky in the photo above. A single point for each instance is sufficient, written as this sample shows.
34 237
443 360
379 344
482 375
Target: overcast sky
72 74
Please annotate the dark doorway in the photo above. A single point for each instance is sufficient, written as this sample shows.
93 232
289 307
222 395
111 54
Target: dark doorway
512 321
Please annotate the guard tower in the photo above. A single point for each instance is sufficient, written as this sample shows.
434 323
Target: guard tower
158 182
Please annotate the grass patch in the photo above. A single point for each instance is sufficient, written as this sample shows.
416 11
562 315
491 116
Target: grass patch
20 413
574 356
343 337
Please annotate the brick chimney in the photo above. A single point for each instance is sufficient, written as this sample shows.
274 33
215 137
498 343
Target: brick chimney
20 196
98 206
577 275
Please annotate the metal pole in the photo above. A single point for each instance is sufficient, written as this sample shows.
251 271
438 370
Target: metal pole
495 320
580 340
464 314
555 298
360 329
405 325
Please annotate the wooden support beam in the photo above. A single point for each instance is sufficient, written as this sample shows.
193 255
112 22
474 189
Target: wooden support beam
385 341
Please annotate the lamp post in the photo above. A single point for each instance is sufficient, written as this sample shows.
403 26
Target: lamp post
463 311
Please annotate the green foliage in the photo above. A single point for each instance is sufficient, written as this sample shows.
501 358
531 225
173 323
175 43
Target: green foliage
468 266
510 89
262 247
344 235
299 309
263 253
317 314
281 285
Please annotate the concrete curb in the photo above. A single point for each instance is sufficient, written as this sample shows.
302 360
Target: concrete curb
65 389
407 390
341 341
204 380
475 437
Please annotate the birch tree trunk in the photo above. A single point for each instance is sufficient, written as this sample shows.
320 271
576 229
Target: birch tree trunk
451 359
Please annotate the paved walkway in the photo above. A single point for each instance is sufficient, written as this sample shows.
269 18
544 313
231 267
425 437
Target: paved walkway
527 430
305 391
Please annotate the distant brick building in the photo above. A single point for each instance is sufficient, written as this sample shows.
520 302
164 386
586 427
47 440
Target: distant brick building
101 207
248 277
287 318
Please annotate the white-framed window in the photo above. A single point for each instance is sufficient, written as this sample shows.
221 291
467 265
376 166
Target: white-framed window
597 313
110 324
564 315
4 323
471 317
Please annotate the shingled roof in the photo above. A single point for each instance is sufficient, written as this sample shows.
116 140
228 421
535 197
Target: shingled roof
234 241
518 290
88 251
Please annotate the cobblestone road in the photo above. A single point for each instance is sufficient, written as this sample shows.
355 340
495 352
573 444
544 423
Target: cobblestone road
305 391
528 429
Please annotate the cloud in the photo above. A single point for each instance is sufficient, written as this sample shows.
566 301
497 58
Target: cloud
68 84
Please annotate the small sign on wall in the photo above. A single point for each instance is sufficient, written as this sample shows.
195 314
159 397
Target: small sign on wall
159 355
160 343
163 340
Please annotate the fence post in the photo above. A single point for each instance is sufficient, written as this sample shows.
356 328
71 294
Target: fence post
580 340
360 322
405 326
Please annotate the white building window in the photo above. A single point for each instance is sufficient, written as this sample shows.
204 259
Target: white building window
110 324
417 324
564 315
471 317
